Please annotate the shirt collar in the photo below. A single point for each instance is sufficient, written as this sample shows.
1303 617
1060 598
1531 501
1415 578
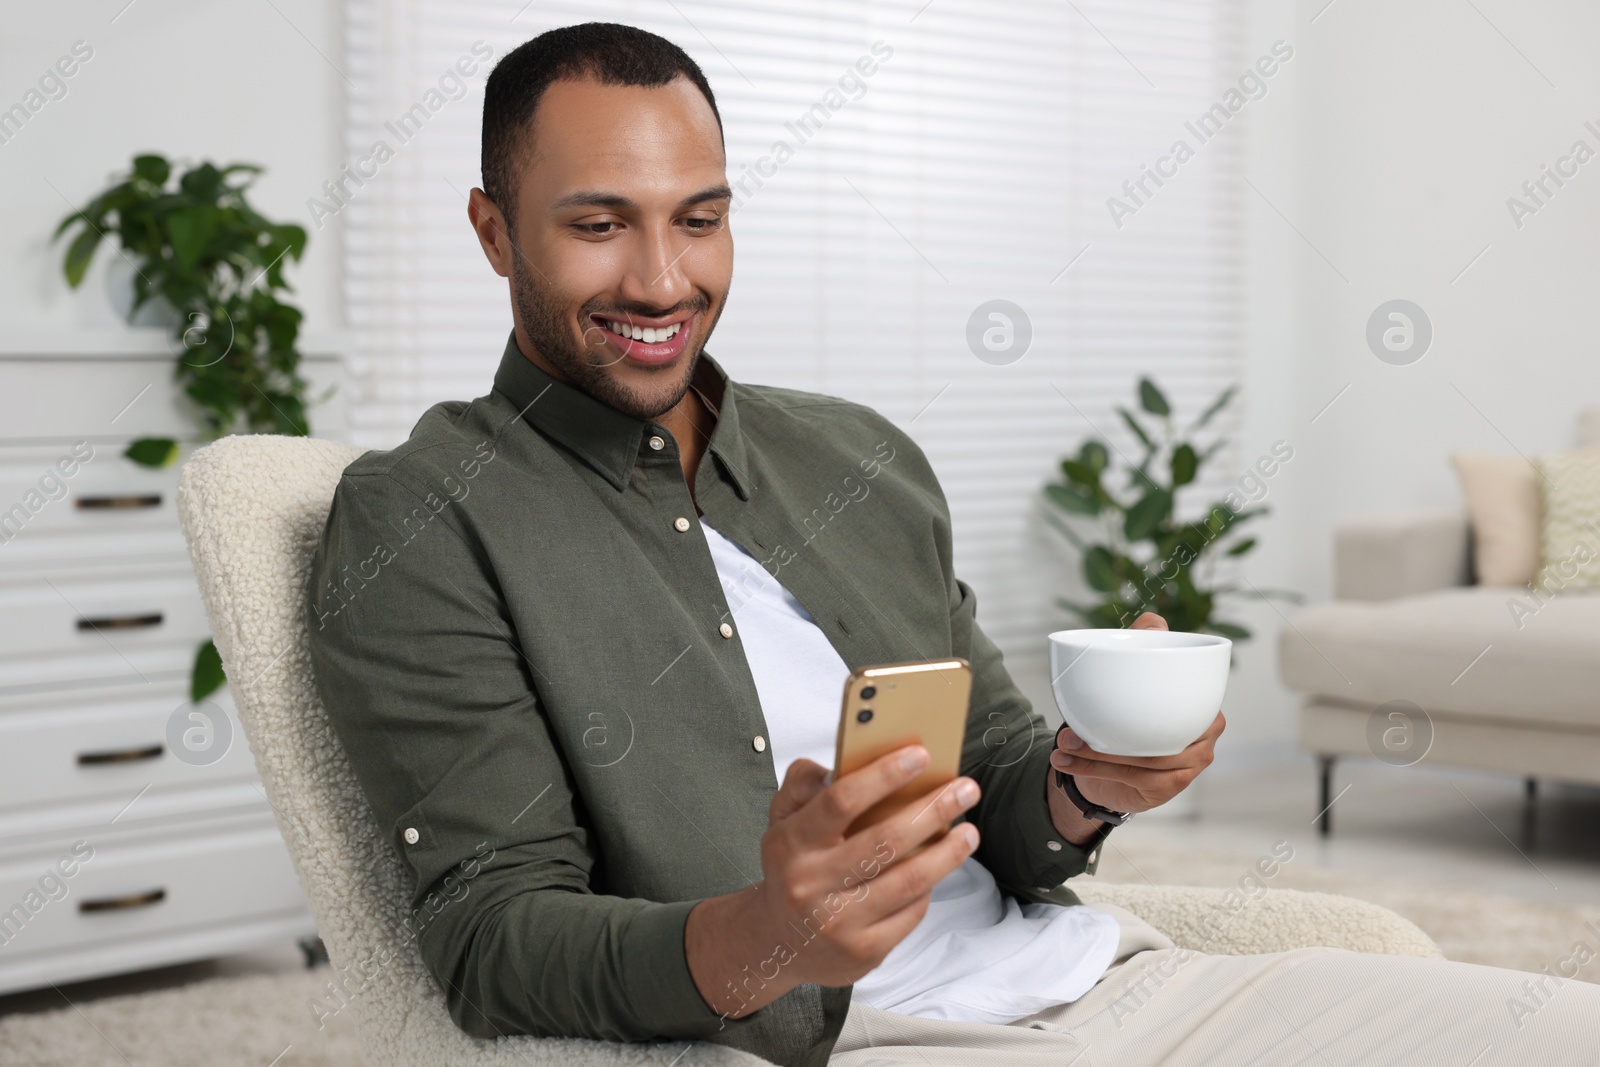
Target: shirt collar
607 439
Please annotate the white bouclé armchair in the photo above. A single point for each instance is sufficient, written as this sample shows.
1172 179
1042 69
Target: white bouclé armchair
253 509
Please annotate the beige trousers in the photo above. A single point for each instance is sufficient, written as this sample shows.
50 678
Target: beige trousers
1322 1007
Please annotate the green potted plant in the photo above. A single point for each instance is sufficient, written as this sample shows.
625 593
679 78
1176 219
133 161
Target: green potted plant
1136 554
217 266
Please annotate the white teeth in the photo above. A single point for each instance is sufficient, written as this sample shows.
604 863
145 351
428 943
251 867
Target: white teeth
649 335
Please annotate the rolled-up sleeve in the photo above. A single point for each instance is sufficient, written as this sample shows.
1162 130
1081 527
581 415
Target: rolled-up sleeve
438 709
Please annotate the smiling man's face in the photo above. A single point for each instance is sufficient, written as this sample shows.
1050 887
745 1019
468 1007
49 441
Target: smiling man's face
621 258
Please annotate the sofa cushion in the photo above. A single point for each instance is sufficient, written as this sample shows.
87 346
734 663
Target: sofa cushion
1473 651
1503 500
1570 547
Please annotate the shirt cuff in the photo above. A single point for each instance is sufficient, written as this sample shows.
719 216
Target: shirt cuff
1050 858
666 999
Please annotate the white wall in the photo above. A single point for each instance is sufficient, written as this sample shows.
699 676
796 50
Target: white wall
1400 133
225 82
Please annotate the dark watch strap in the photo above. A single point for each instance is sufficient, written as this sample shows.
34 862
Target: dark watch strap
1090 809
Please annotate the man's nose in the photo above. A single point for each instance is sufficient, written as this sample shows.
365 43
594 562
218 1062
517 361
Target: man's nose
656 277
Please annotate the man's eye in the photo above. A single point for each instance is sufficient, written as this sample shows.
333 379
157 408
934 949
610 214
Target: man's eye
599 229
702 225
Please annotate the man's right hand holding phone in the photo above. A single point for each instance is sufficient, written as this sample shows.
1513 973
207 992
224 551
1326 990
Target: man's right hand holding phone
839 904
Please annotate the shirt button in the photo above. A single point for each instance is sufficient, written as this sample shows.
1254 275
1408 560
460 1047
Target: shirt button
725 630
760 743
1053 846
680 524
411 835
657 443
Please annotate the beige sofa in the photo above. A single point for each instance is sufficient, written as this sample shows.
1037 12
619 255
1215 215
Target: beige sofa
1498 690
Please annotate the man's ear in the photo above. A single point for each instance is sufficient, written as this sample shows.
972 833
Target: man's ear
490 225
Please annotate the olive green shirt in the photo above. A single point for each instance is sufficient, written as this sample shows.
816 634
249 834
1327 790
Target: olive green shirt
521 640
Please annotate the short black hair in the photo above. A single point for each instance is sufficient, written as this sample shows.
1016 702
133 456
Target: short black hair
608 52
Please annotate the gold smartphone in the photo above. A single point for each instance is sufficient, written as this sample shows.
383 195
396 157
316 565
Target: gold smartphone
900 704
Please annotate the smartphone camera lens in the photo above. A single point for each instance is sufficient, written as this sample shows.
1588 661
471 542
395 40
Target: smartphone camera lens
864 715
868 692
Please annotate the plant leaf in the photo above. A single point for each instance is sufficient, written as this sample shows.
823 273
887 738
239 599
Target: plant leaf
1064 529
1138 431
1071 498
1093 455
203 182
152 168
1233 518
93 212
1099 569
79 255
291 235
1081 473
242 168
1185 464
152 451
1109 616
1152 399
1242 547
1216 405
207 676
190 229
1147 514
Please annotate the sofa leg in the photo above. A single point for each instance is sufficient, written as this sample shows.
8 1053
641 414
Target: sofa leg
1530 797
314 950
1325 818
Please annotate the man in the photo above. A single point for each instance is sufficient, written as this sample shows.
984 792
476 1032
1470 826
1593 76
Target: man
575 633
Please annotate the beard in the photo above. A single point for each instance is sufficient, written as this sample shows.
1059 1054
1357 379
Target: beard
589 367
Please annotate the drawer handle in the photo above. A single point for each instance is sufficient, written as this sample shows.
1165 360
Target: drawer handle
120 755
109 503
120 622
132 900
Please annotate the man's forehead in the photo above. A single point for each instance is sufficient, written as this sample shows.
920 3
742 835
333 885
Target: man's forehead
628 139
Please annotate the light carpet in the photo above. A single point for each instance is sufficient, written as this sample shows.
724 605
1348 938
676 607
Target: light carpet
249 1021
262 1020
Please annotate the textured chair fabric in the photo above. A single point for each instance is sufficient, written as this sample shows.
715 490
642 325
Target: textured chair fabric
1252 918
253 509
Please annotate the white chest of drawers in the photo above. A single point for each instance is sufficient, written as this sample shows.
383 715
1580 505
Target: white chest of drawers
115 853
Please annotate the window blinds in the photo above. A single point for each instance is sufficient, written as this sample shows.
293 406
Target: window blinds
977 161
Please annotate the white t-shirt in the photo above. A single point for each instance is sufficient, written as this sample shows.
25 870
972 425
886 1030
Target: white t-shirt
977 955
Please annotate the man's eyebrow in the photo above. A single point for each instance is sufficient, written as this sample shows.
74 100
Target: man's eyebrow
618 202
586 198
715 192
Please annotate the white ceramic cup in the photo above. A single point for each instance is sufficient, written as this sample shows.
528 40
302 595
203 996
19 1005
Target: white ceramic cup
1138 692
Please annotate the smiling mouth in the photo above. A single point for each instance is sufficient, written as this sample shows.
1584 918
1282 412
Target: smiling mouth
656 345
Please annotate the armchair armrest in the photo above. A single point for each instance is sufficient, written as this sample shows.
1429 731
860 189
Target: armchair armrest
1225 922
1382 557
